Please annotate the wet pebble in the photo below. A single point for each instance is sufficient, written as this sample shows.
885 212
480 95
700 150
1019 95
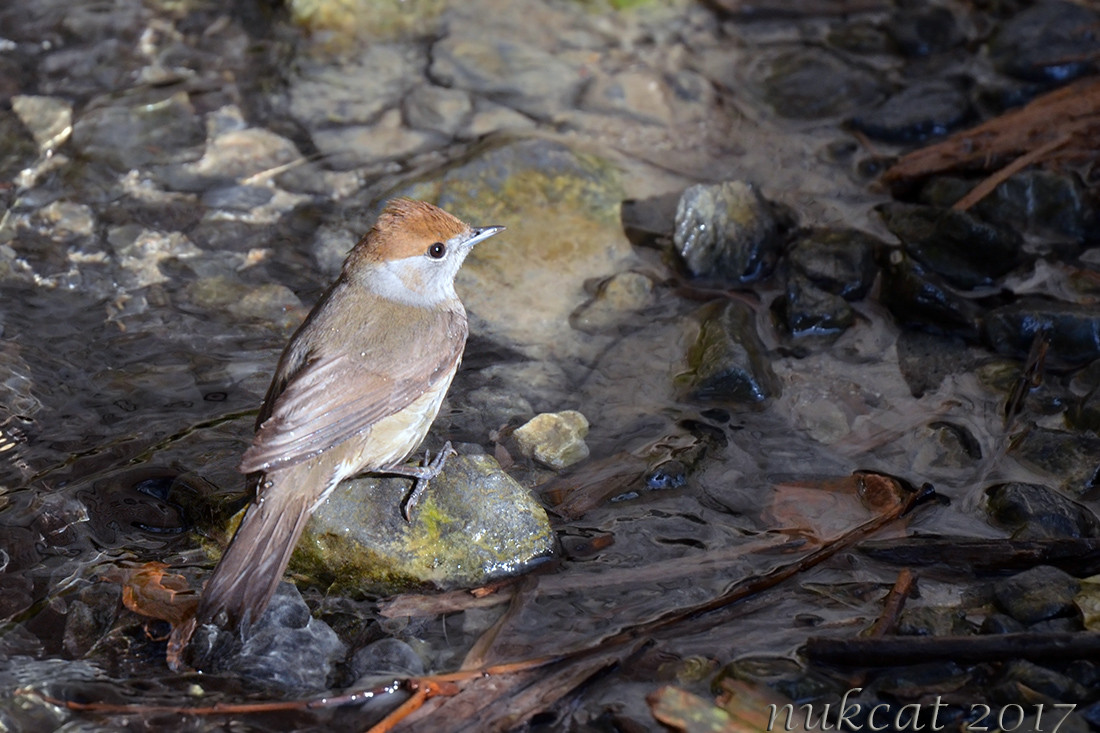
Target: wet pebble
1036 512
916 113
1037 594
1072 329
934 621
1067 458
920 31
385 657
1043 680
358 145
135 136
920 298
554 439
49 119
726 231
728 361
1051 41
640 95
957 246
807 309
925 359
812 84
839 261
437 109
355 92
509 72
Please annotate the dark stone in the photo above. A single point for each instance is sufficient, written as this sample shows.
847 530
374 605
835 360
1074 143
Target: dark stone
999 623
1072 329
133 137
1073 459
965 250
920 298
647 220
838 261
925 359
933 621
861 38
1042 680
1085 413
813 84
916 113
389 657
1052 41
1039 201
727 231
727 360
1036 512
807 309
1037 594
924 31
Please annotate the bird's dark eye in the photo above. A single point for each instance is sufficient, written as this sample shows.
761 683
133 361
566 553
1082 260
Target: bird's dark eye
437 250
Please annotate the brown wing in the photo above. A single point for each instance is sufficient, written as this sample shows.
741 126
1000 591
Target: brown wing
322 397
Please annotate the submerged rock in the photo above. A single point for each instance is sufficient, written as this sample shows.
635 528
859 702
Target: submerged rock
959 247
920 31
616 297
474 523
1072 330
1052 41
806 308
1037 512
727 231
812 84
554 439
925 359
916 113
728 362
1037 594
838 261
1068 458
130 137
922 299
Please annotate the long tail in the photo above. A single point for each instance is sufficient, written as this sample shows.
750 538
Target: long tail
247 574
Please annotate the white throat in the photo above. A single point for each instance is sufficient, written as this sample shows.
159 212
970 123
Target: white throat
407 281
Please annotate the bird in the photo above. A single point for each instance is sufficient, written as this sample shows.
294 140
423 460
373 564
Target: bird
355 391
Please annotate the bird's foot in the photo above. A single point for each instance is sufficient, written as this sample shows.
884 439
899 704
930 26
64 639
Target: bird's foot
422 474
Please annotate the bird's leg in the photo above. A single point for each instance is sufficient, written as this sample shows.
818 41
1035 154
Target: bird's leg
422 474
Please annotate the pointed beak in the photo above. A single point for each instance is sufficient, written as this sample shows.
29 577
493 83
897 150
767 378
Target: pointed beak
483 233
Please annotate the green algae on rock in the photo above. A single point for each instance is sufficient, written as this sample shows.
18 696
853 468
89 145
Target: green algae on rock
728 361
473 524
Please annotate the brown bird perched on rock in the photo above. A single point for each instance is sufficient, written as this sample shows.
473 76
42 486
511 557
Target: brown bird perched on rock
355 392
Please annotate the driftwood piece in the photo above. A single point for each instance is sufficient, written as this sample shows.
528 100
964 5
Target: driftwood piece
1059 127
890 651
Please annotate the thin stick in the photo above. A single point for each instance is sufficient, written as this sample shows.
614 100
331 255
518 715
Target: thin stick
986 187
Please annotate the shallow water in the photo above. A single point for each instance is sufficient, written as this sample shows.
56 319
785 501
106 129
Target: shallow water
125 391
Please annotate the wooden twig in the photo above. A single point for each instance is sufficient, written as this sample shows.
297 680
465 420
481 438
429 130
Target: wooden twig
887 622
986 187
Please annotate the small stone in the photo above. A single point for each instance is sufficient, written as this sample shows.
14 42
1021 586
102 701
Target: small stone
639 95
924 31
270 302
1037 594
389 657
806 309
839 261
141 252
489 118
354 93
238 154
133 137
726 230
956 245
1050 41
1069 459
555 439
437 109
621 294
916 113
353 147
815 84
728 361
1072 330
509 72
49 119
920 298
1036 512
67 219
933 621
331 244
